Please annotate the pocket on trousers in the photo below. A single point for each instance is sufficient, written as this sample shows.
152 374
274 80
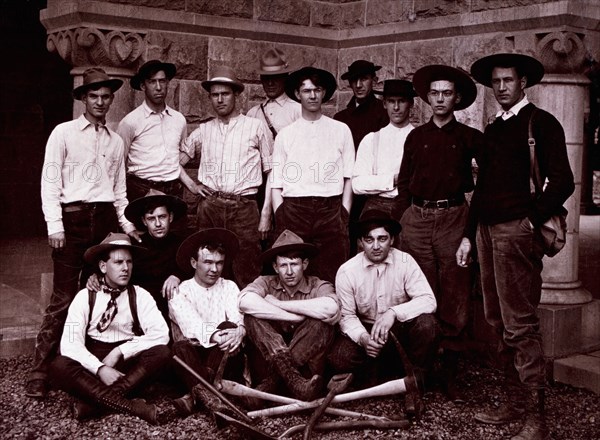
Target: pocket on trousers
525 225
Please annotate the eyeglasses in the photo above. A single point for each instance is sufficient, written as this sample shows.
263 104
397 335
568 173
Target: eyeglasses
445 93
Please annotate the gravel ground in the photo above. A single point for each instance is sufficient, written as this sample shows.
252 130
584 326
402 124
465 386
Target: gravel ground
573 414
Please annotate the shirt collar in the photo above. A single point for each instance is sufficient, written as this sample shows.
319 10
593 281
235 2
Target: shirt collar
449 126
83 123
303 287
280 100
148 111
514 110
366 103
368 263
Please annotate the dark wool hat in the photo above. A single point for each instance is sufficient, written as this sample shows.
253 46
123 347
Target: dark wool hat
358 68
289 242
397 87
525 65
151 66
374 218
136 209
211 236
292 82
438 72
94 78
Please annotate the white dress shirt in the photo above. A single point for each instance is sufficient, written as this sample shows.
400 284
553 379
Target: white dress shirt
281 111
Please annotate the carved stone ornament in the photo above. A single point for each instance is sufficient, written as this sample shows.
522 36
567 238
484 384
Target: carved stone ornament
561 52
88 46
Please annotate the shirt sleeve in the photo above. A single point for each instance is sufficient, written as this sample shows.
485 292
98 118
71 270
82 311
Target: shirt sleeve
153 324
403 199
232 309
278 161
182 312
363 179
51 182
348 153
72 343
265 142
258 286
191 143
422 299
120 191
127 133
350 324
326 290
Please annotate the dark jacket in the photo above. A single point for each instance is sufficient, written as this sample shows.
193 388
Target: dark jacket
368 117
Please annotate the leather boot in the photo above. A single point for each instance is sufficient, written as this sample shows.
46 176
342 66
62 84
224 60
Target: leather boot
91 389
535 427
269 385
449 374
509 411
185 405
208 399
83 410
301 388
126 384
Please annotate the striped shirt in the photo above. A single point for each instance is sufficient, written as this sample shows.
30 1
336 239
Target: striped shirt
233 156
152 142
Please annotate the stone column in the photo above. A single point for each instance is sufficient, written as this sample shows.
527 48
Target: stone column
564 94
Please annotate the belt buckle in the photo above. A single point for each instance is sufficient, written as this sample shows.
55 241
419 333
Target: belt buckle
442 204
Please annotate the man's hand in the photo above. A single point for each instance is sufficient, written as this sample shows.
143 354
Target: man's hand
382 326
264 225
113 358
57 240
108 375
371 347
135 235
462 254
170 287
200 189
93 283
230 339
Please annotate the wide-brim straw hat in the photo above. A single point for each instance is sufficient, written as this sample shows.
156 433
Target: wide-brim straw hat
224 75
136 209
94 78
214 236
287 242
114 240
151 66
463 83
526 65
328 81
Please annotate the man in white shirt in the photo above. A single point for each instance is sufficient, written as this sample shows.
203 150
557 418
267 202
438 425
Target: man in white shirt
383 290
379 154
290 318
114 340
312 167
234 150
152 134
205 319
83 199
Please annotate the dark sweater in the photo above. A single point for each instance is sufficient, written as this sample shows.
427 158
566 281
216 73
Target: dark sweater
503 190
370 116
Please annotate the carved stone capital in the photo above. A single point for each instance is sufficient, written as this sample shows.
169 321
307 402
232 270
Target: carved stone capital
90 46
562 52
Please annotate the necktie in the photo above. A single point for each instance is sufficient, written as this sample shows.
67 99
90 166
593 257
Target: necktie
111 309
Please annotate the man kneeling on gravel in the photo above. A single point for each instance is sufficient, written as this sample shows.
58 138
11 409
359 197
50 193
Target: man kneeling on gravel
114 340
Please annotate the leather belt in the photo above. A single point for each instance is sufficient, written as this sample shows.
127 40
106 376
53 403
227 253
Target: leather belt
83 206
156 184
438 204
231 196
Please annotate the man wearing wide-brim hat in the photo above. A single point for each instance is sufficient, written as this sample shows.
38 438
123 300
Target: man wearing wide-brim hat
152 133
205 318
364 113
277 110
83 199
380 153
506 214
290 318
235 152
383 290
434 176
312 168
114 340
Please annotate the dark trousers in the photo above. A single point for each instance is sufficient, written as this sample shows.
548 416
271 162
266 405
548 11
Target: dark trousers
432 237
205 361
138 188
510 257
83 228
419 338
64 370
306 341
322 221
242 218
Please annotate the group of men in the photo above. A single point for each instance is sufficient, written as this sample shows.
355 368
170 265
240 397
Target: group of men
344 275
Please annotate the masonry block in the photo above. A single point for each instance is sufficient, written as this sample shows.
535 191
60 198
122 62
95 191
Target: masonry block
482 5
283 11
161 4
229 8
187 52
436 8
410 56
582 371
387 11
193 102
345 16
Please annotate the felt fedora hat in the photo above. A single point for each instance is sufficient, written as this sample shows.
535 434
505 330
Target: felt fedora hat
525 65
373 218
136 209
114 240
223 75
274 62
397 87
289 242
328 81
213 236
94 78
148 68
439 72
358 68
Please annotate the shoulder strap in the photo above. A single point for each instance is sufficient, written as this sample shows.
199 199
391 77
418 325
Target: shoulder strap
136 328
375 151
535 184
268 121
91 302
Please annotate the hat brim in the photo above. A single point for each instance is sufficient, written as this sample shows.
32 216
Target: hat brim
136 80
236 86
189 248
351 75
463 83
328 80
283 71
92 254
308 249
135 210
392 224
113 84
482 69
